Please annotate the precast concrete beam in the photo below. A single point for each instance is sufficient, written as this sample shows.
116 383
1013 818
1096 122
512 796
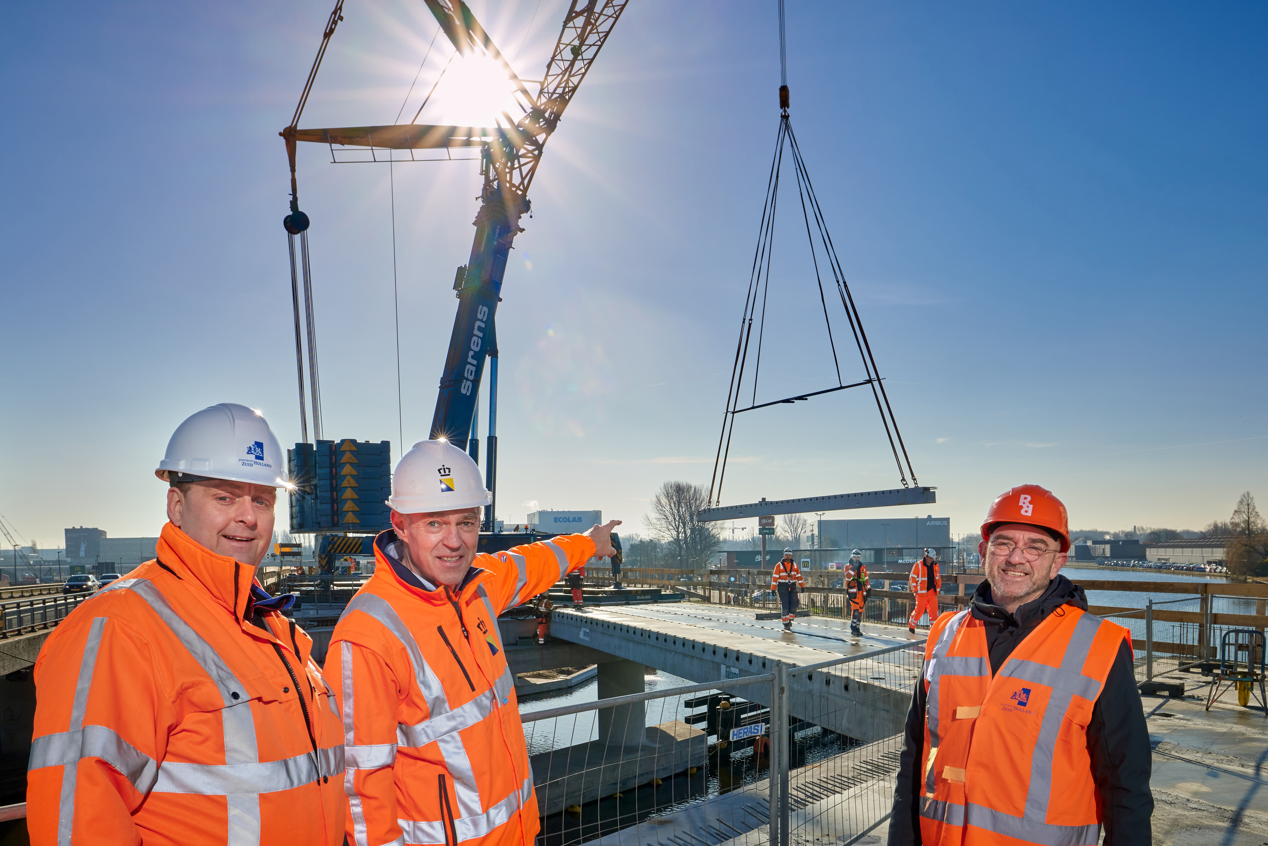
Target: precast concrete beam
19 653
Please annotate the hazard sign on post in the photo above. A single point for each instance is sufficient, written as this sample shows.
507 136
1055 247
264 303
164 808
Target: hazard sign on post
766 525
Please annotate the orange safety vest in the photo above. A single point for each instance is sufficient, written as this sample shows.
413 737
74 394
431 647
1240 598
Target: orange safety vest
1006 754
164 717
435 749
918 581
786 572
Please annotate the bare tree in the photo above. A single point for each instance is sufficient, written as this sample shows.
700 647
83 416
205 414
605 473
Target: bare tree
1217 529
794 528
1247 551
675 520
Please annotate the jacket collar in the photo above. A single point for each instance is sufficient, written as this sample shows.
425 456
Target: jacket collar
226 579
389 559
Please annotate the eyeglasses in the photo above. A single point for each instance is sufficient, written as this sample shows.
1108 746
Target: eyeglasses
1031 552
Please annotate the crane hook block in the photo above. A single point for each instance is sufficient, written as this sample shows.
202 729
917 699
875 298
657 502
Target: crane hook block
783 97
295 222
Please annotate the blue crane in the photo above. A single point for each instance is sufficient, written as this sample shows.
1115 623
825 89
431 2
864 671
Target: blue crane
510 153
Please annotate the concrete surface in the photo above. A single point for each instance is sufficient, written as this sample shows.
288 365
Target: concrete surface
531 684
866 701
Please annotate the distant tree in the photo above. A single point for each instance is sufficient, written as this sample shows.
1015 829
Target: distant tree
675 521
1161 535
1247 551
793 527
641 552
1217 529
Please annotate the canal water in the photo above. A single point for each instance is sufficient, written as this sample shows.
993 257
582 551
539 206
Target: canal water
1168 632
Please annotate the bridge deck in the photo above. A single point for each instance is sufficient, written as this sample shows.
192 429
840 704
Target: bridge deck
867 700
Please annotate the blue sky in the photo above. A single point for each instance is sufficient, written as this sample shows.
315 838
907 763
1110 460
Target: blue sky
1051 216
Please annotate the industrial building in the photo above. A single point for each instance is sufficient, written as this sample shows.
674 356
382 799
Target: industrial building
1117 550
1188 551
896 540
91 551
563 522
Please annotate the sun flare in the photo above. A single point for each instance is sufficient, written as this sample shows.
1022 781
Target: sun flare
475 91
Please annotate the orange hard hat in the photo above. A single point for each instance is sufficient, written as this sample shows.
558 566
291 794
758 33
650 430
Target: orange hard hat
1032 505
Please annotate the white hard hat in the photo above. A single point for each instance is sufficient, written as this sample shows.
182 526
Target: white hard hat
436 476
226 441
858 553
787 551
931 552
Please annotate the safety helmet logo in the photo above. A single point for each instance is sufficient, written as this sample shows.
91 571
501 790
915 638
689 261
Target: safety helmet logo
256 450
1027 507
1021 696
446 484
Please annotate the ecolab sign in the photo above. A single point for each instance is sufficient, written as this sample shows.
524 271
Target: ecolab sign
564 522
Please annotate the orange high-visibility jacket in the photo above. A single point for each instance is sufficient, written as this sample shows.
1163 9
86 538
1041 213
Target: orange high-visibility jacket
435 749
165 717
1008 761
786 572
919 580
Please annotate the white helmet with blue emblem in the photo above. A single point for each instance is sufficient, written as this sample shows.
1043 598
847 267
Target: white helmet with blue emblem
226 441
436 476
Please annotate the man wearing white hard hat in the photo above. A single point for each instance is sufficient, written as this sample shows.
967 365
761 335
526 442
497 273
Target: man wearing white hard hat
435 749
178 705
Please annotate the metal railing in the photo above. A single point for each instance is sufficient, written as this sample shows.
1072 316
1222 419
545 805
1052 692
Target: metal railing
27 615
803 752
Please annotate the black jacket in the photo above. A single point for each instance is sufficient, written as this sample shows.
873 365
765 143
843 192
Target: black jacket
1118 739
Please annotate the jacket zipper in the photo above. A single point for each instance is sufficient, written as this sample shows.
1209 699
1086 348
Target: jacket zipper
446 814
303 706
454 653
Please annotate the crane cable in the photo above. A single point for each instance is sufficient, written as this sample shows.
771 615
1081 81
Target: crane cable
759 288
296 224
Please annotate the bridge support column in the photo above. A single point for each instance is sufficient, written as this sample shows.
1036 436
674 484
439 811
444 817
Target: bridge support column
624 726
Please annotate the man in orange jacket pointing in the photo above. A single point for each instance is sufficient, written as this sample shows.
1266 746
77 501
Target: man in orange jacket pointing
435 749
178 706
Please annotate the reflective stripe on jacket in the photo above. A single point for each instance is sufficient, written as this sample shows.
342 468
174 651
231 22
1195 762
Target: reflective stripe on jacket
1006 755
919 580
786 572
165 717
435 748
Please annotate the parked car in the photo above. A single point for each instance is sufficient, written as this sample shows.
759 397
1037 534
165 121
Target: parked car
84 583
759 595
107 578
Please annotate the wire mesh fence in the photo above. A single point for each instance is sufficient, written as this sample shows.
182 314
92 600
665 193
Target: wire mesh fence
704 764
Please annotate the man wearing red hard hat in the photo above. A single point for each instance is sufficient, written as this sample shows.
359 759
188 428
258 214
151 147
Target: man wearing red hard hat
1026 725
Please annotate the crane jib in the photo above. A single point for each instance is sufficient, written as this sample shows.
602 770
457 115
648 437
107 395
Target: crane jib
474 335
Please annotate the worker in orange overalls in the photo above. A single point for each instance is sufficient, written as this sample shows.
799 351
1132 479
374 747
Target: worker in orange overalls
1025 725
178 705
785 581
543 606
925 581
435 749
574 584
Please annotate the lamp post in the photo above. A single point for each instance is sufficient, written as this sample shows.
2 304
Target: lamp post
59 565
819 535
885 553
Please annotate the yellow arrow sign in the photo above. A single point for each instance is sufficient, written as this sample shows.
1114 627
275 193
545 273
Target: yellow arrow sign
348 470
348 458
345 446
350 506
350 518
349 482
350 493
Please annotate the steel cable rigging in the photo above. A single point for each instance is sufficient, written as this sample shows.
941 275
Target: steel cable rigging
756 298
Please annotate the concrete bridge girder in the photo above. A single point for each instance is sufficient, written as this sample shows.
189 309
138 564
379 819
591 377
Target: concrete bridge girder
867 700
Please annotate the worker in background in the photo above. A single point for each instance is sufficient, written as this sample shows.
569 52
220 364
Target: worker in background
925 581
543 606
178 705
435 749
785 581
574 583
856 595
856 570
1026 725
